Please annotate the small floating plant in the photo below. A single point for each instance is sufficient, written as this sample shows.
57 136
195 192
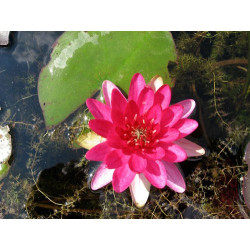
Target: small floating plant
5 150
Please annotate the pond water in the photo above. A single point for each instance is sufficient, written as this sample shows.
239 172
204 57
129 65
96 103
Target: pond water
49 178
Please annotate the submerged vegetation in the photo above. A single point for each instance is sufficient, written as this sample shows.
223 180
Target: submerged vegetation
50 177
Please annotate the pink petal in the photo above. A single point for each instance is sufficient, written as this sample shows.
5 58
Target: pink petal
155 153
102 177
116 159
98 152
118 101
163 96
122 178
192 149
117 117
186 127
139 189
188 106
98 109
137 163
155 112
168 135
136 86
156 82
156 173
171 115
175 179
174 153
114 140
131 111
107 88
145 100
101 127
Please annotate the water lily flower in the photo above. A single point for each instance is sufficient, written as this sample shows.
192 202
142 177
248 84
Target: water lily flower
144 138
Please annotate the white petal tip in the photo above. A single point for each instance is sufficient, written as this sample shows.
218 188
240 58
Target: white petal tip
139 202
175 187
140 205
201 151
93 186
156 82
189 106
139 189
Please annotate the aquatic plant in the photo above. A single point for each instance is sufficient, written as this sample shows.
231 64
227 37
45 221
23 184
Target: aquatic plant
144 138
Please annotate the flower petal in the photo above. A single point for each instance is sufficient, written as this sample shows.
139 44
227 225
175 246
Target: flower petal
137 163
102 177
188 106
186 127
107 88
98 152
130 111
101 127
136 86
192 149
156 173
156 82
98 109
114 140
122 178
155 112
145 100
116 159
139 189
155 153
163 96
117 117
174 153
171 115
118 100
175 179
168 134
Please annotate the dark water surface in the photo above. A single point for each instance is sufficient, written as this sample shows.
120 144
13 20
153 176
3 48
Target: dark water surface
48 178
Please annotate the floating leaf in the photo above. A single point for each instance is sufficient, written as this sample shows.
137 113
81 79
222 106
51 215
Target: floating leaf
81 61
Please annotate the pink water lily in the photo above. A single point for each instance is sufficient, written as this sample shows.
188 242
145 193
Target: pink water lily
144 138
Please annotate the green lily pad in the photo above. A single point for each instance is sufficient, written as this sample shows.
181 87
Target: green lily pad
81 61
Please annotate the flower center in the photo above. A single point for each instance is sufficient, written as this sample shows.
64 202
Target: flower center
139 133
